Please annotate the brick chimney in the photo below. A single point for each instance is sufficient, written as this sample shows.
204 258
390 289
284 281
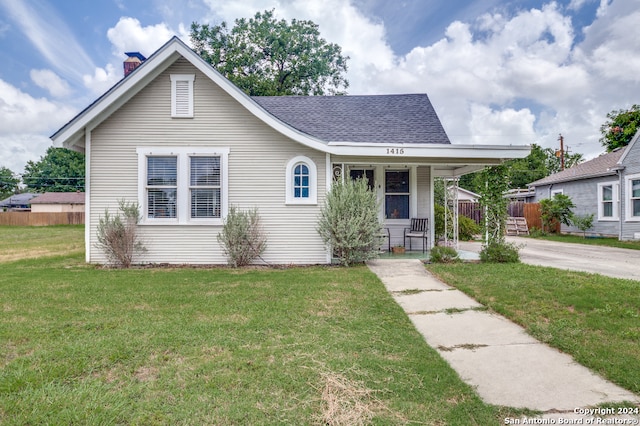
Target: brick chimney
133 61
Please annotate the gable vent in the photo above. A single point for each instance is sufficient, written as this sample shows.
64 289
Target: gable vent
182 95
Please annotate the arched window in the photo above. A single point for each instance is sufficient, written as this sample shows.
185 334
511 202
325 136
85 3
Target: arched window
301 185
301 181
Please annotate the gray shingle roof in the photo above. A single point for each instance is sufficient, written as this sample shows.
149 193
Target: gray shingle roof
17 199
373 119
599 166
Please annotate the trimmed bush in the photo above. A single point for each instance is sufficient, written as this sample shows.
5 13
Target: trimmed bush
242 238
443 254
467 228
118 237
500 253
349 223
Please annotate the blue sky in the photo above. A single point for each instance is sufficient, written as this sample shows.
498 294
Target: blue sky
497 71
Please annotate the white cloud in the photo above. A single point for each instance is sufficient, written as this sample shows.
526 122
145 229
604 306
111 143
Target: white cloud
128 35
50 81
17 149
489 126
25 122
22 113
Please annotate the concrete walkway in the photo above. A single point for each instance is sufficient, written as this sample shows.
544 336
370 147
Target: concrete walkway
498 358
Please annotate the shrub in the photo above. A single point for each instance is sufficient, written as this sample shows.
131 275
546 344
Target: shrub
349 223
500 253
582 222
118 237
535 232
443 254
242 237
467 228
556 210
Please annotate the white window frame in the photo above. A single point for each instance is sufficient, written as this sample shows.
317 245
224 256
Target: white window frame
182 107
628 199
615 201
556 191
183 193
410 194
290 198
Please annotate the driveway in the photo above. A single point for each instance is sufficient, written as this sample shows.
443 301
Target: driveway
614 262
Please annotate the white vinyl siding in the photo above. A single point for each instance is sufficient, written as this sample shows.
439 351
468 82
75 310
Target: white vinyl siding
182 95
257 163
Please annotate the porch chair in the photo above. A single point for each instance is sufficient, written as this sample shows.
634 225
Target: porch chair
419 228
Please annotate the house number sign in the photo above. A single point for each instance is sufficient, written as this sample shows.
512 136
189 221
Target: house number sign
395 151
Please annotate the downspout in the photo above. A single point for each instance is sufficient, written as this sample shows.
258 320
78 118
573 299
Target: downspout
621 211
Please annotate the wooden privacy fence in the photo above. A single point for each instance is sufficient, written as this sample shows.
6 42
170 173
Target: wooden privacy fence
530 211
41 219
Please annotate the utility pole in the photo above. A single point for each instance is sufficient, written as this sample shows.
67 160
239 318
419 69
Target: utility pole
561 152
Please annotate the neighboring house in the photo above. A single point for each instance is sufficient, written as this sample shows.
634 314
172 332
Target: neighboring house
607 187
527 195
467 196
17 202
56 202
185 143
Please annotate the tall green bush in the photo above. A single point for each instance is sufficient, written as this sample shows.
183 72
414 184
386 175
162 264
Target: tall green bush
349 223
242 237
556 210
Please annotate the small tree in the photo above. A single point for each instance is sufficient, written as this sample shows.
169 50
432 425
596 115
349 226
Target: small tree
492 199
349 222
583 222
242 237
556 210
118 237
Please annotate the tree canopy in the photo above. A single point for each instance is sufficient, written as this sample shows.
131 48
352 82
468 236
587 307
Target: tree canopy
8 182
541 162
620 127
267 57
59 170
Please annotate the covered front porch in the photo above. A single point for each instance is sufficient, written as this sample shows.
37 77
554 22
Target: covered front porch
405 190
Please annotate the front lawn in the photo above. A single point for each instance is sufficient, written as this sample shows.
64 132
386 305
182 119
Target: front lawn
318 345
595 319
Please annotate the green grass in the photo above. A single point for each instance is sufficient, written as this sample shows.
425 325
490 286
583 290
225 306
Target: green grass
85 345
18 242
595 319
578 239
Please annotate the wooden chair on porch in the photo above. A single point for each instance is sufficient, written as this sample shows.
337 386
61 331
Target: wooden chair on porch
419 228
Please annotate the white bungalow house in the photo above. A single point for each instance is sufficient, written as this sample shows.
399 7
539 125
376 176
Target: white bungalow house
184 142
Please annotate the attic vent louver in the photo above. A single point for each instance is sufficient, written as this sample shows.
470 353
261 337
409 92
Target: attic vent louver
182 95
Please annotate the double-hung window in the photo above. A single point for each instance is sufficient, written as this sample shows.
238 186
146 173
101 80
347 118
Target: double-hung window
183 185
633 197
204 187
608 201
396 194
162 181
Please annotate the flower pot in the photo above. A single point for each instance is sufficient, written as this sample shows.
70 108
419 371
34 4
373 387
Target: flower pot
398 250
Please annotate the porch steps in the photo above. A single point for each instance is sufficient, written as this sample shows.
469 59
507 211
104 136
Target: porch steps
517 226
